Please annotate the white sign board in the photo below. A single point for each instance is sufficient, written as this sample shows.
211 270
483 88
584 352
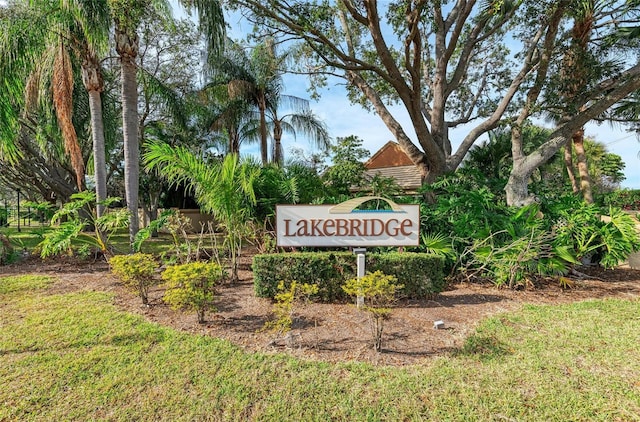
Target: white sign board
344 225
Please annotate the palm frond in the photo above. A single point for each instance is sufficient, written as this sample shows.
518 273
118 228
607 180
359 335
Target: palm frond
312 127
62 85
211 24
168 97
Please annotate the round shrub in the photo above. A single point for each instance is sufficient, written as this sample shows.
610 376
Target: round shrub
191 286
135 271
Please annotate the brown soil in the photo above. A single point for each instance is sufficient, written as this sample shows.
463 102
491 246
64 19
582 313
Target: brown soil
338 332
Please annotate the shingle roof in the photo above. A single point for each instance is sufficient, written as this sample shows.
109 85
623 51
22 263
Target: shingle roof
392 161
407 177
390 155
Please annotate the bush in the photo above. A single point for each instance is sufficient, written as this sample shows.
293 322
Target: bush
626 199
605 237
135 271
326 269
6 250
191 286
421 274
512 246
286 299
379 293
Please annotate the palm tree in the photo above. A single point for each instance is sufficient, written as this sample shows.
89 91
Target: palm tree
40 49
304 122
575 74
225 189
126 16
91 36
230 120
70 27
257 80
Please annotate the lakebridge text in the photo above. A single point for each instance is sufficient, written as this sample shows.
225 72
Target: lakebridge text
365 227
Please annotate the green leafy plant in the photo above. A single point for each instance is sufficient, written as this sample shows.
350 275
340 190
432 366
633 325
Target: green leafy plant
604 239
136 272
379 293
43 210
285 301
226 189
516 262
82 225
83 252
4 217
438 244
626 199
7 253
620 238
191 286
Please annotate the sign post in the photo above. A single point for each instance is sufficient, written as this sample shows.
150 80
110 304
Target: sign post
360 259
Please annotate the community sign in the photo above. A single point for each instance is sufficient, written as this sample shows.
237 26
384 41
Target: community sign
346 225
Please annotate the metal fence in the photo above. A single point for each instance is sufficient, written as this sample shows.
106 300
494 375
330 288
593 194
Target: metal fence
12 216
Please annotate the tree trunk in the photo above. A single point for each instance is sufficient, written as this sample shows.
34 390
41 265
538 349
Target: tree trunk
131 147
234 142
94 84
277 144
583 168
127 47
264 153
517 188
99 158
153 215
568 163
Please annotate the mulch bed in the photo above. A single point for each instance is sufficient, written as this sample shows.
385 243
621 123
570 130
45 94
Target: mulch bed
337 332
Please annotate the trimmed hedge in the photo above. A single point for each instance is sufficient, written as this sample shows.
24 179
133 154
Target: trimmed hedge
421 274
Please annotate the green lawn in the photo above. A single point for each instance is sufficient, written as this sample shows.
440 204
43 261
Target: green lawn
76 357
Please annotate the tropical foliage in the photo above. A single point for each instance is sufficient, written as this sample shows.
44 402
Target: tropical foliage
225 189
513 246
503 214
77 222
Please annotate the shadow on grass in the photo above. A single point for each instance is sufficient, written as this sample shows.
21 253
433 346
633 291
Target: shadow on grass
120 340
483 347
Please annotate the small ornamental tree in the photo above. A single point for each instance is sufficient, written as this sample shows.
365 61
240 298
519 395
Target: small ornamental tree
135 271
379 292
286 299
191 286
